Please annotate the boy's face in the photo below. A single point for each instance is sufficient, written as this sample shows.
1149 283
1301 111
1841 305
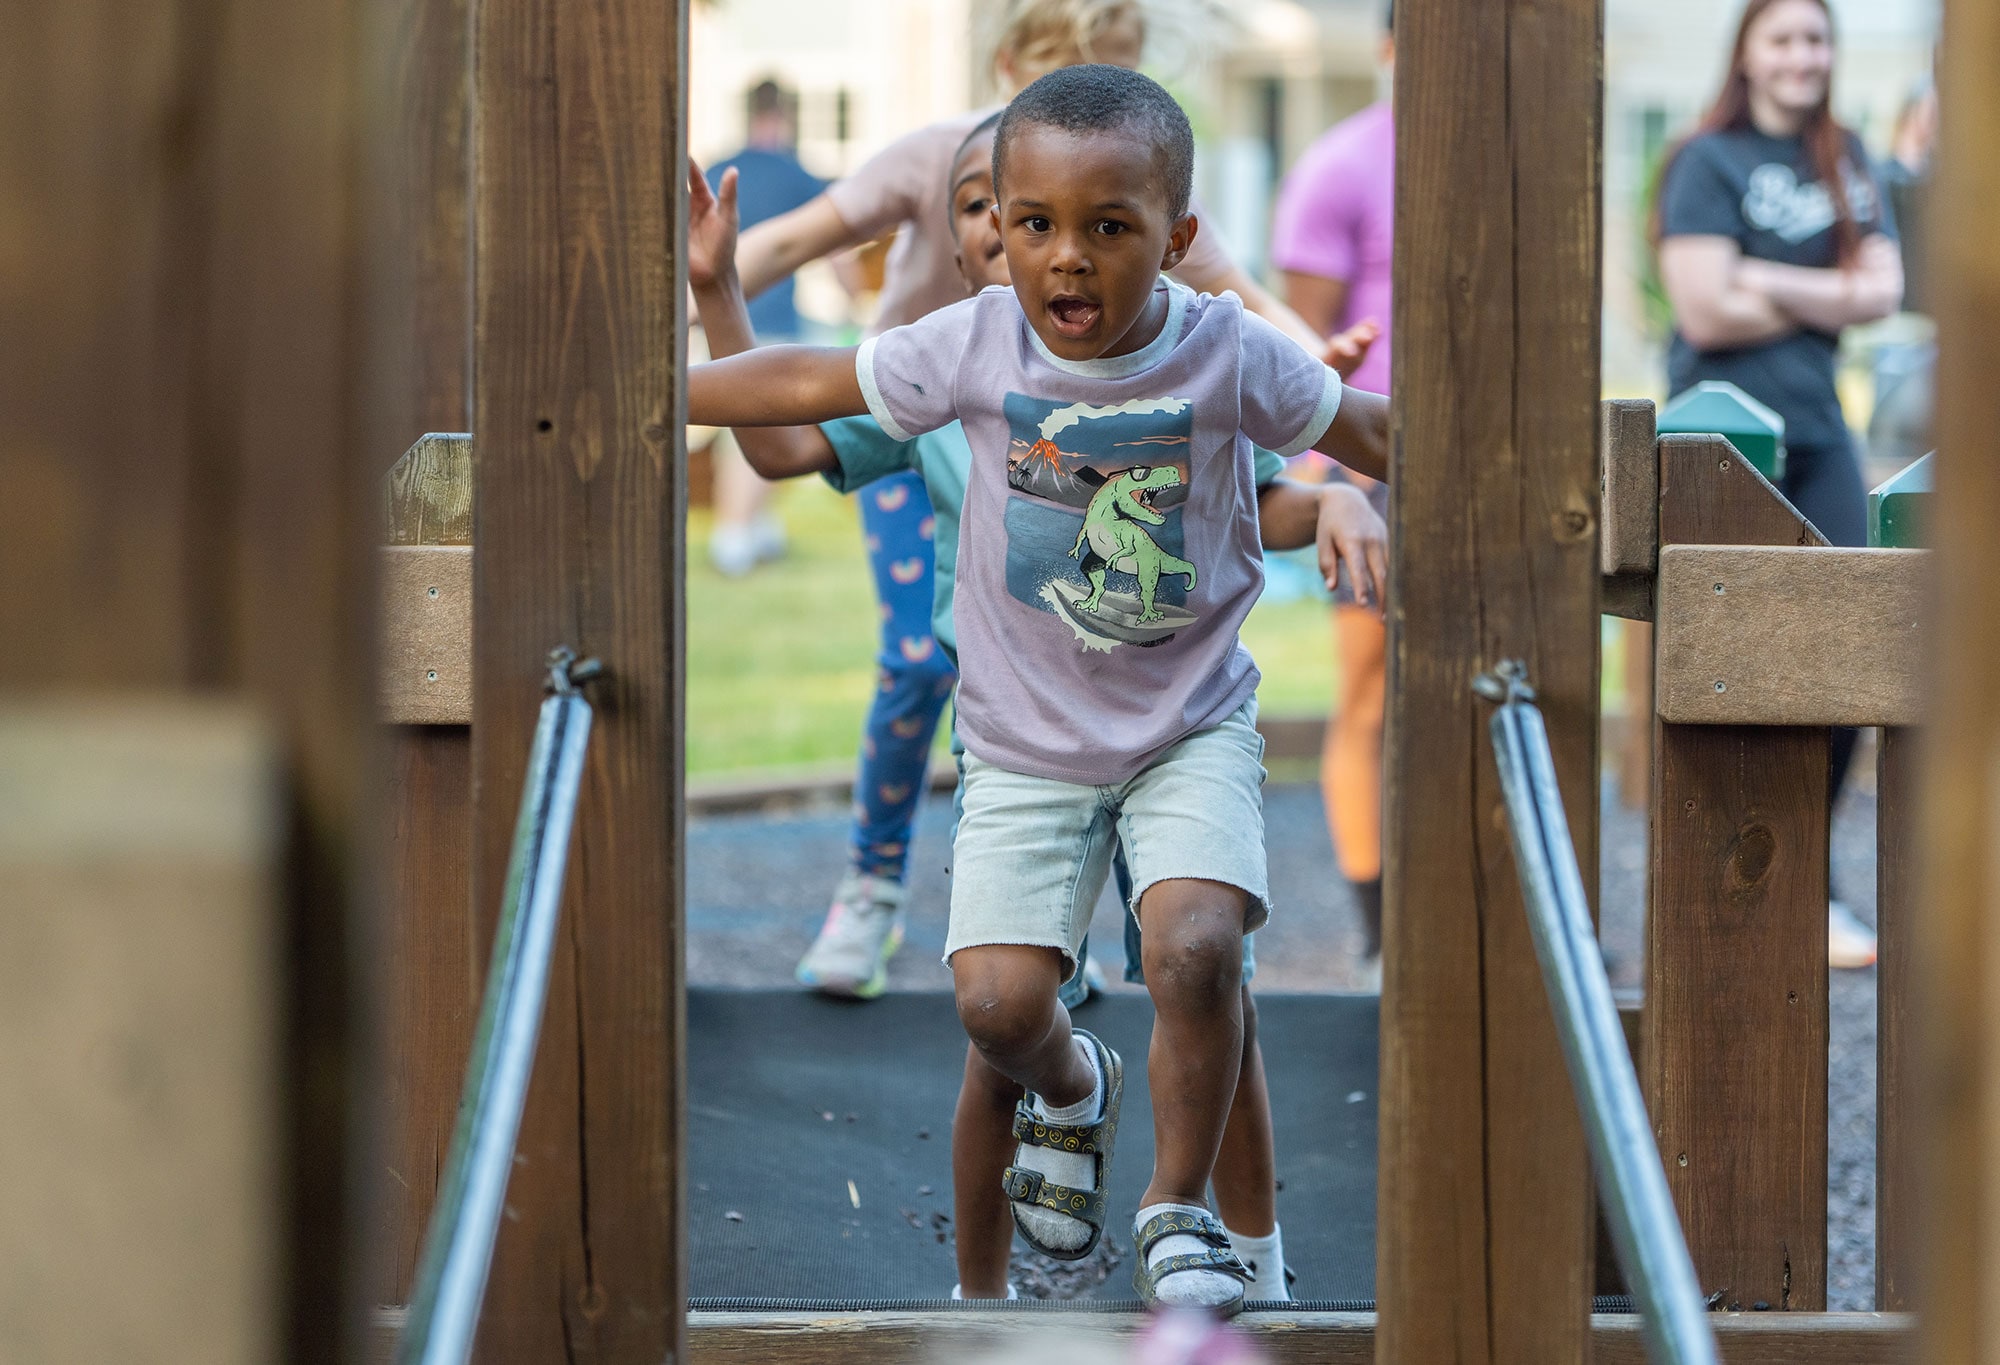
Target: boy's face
1086 228
980 258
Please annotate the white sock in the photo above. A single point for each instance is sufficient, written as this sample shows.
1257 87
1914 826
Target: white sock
1012 1293
1266 1258
1078 1170
1187 1288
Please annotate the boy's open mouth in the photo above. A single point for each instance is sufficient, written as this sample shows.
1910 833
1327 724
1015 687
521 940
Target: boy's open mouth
1073 316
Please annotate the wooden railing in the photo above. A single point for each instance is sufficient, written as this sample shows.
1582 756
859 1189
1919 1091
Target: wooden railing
1765 636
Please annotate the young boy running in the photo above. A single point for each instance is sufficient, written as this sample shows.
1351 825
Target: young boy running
1107 556
855 452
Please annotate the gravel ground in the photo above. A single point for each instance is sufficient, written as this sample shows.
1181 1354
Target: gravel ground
757 886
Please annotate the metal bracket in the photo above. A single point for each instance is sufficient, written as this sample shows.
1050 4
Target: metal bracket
1507 682
567 673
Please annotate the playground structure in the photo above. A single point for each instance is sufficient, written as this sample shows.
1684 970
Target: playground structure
303 286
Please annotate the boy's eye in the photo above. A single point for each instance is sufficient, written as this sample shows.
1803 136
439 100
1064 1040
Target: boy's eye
1110 227
974 206
1035 223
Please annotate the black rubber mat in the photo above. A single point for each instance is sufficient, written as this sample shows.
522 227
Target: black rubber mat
819 1142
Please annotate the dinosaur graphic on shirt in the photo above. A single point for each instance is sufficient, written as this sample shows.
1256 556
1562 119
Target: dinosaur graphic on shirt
1114 536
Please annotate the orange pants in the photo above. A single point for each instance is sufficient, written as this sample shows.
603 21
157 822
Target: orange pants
1350 771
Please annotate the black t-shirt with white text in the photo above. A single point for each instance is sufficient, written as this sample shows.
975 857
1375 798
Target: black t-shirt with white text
1762 193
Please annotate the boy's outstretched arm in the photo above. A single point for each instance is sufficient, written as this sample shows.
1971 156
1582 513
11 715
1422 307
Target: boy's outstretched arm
1358 436
776 386
774 452
1338 518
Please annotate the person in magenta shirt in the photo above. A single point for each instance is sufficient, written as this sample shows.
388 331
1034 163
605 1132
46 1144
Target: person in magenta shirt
1332 237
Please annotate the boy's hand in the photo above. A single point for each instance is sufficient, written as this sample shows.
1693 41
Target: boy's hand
711 228
1350 530
1346 350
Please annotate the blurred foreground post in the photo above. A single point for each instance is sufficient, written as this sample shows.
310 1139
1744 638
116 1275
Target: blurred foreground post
184 500
1958 924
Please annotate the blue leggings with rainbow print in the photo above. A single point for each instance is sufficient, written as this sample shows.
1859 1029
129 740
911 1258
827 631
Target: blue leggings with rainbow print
913 679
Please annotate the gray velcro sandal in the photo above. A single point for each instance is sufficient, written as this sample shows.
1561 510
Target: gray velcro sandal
1024 1186
1216 1255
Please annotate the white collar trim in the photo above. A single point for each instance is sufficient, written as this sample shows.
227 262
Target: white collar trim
1122 366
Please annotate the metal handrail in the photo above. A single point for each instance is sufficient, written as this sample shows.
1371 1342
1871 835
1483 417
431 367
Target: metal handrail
458 1244
1631 1180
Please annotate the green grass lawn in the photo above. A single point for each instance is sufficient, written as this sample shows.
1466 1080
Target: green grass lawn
780 663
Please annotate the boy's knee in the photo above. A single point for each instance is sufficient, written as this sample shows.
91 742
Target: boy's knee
1196 965
1004 1015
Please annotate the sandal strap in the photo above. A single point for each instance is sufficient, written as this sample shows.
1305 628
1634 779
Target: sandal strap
1188 1222
1034 1130
1214 1258
1024 1186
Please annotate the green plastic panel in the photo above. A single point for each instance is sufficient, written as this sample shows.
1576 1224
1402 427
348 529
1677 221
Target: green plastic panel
1899 509
1720 407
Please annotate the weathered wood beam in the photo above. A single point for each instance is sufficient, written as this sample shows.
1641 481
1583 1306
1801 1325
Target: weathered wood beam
1753 635
1734 1063
1898 1246
1283 1338
426 656
1629 540
1484 1227
1959 932
577 405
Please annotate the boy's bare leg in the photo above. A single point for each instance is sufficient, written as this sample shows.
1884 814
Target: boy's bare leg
982 1148
1246 1175
1194 970
1007 1002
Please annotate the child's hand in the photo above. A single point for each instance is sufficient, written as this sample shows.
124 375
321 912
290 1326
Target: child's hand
1346 350
711 228
1350 530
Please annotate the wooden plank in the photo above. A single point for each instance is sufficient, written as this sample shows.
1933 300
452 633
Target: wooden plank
1630 540
1736 973
417 221
1484 1205
427 496
426 653
1709 495
1959 1011
141 1008
1298 1338
431 979
1791 636
1896 843
577 404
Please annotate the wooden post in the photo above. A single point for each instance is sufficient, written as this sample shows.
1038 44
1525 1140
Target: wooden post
418 212
183 490
1896 1090
1736 1004
1484 1231
577 409
1960 927
431 977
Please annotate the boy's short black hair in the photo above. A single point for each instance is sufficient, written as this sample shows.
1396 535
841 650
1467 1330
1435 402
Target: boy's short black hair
1095 98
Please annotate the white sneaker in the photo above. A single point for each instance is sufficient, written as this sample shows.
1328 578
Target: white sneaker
1849 943
863 930
736 550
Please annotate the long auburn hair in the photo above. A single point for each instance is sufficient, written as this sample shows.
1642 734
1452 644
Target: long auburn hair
1826 142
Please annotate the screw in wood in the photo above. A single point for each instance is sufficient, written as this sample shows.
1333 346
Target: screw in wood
433 592
1720 686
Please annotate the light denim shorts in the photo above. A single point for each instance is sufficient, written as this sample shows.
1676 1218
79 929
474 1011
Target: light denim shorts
1032 853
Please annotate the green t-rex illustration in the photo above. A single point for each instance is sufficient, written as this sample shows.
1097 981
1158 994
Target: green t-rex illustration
1111 528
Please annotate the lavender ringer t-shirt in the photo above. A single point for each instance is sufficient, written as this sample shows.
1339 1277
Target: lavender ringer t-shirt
1108 551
